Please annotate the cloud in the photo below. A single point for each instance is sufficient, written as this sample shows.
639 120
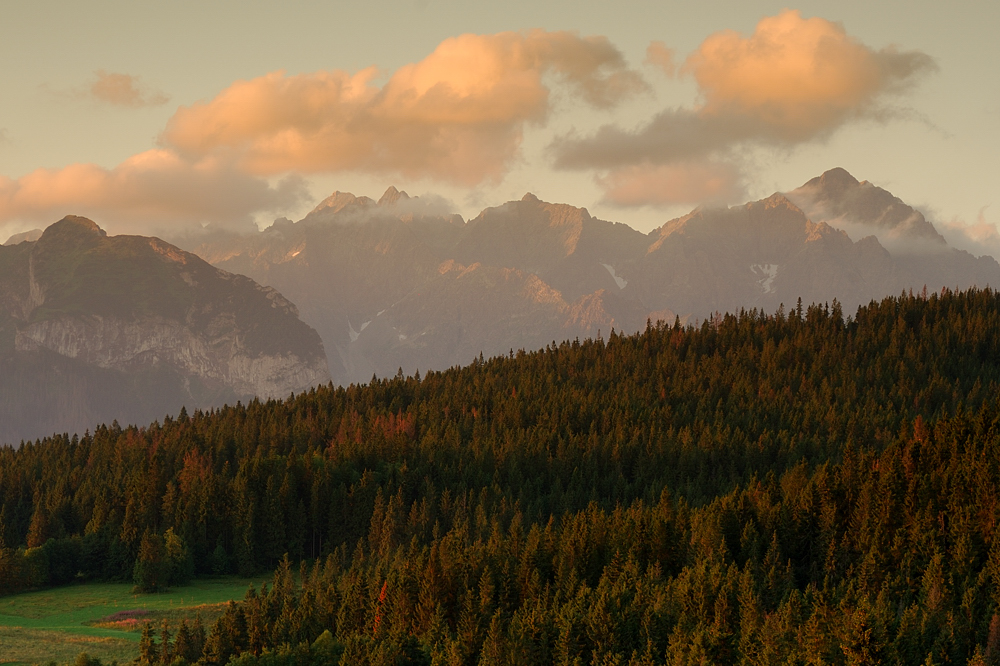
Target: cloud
123 90
793 81
799 78
666 184
154 189
672 136
979 238
456 116
658 55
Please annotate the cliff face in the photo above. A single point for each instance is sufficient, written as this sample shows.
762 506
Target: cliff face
117 344
137 328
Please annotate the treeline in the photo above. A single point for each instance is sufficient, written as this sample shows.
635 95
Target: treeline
790 487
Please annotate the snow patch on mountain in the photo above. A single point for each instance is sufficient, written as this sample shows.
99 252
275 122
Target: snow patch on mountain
768 273
620 281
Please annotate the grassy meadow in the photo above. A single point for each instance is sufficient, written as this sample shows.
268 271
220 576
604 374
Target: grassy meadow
102 619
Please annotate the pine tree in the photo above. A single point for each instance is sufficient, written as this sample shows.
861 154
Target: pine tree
184 644
147 646
150 572
166 653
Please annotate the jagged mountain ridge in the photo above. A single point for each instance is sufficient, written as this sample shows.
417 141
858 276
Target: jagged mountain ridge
96 328
389 284
759 255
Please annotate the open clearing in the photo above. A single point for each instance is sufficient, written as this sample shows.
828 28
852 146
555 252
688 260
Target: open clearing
59 623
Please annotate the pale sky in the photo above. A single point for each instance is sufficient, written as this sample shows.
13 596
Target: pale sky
149 116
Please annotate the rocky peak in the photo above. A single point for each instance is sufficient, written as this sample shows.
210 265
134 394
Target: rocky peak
833 182
106 313
73 226
776 201
338 201
392 196
771 222
839 198
556 214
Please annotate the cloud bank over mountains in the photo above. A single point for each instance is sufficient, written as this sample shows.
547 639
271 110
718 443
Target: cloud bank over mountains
793 81
458 117
153 190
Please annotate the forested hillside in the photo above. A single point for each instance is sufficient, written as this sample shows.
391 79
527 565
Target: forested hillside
798 487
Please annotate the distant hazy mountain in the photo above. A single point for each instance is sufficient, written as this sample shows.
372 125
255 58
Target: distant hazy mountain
95 328
32 235
759 255
838 197
392 284
920 253
396 283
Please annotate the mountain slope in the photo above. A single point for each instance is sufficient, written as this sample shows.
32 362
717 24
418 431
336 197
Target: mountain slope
759 255
920 253
394 283
94 328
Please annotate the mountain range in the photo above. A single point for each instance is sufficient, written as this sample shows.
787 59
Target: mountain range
96 328
396 283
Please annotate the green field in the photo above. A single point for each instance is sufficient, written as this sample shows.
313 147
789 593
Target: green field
59 623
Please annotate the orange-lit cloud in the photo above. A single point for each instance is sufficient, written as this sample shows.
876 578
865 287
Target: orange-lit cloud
794 80
157 189
666 184
800 78
658 55
123 90
457 116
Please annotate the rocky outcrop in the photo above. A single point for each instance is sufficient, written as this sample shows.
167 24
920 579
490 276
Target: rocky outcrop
126 346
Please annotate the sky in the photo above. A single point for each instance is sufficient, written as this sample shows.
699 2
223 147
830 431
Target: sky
155 117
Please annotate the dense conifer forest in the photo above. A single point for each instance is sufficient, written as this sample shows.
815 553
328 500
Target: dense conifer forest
802 487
